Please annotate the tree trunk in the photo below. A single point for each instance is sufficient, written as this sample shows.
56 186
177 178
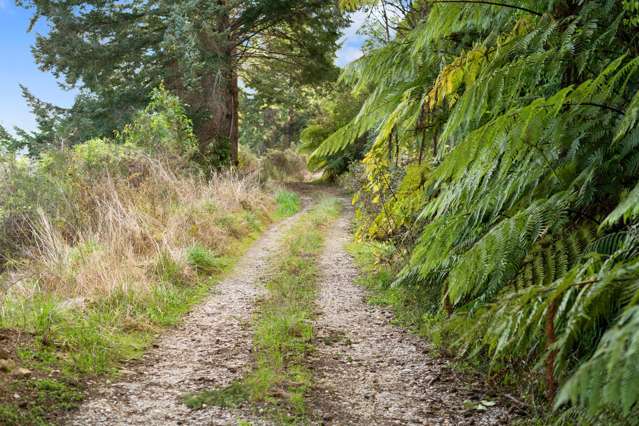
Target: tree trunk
214 103
234 135
213 112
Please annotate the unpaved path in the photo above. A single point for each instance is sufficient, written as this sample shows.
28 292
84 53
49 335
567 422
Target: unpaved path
210 349
368 372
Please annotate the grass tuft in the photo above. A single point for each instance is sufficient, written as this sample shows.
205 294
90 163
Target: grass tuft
231 396
288 203
204 260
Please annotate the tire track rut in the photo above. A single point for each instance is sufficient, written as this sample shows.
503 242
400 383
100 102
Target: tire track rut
369 372
210 349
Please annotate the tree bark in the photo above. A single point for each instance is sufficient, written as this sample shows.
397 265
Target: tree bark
214 110
234 134
214 102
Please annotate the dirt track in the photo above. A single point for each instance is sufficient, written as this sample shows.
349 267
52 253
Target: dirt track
369 372
366 371
210 349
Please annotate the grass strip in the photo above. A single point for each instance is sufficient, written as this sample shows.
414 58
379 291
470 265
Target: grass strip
283 328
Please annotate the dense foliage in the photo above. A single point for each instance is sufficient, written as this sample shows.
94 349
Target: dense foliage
503 167
116 52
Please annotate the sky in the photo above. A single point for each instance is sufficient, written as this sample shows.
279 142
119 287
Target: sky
351 42
17 65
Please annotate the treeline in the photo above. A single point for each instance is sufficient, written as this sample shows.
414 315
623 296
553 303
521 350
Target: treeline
500 168
227 61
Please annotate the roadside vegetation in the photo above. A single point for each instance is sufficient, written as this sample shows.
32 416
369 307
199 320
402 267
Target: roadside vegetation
492 148
493 158
283 327
288 203
103 245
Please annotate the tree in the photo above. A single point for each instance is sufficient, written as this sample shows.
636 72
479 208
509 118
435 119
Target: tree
337 107
118 51
276 106
6 140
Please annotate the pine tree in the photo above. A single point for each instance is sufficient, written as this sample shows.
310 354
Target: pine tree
118 51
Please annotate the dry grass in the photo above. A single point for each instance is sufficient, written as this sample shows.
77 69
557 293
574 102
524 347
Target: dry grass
104 244
126 223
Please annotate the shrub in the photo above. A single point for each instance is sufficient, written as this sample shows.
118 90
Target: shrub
163 127
249 163
283 165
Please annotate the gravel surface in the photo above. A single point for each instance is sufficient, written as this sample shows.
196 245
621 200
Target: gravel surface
210 349
366 371
369 372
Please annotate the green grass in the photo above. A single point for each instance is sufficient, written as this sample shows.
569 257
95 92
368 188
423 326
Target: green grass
40 397
410 305
10 415
288 203
97 339
204 260
283 328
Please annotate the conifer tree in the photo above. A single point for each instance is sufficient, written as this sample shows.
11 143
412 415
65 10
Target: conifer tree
118 51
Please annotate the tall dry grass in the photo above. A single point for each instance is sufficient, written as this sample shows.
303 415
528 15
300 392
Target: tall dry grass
122 224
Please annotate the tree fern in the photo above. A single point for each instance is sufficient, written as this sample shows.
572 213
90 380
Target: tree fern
523 118
611 375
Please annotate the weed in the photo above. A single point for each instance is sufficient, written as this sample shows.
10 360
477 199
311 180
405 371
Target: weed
288 203
56 394
168 270
11 416
231 396
204 260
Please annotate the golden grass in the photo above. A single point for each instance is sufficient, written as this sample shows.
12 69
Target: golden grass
126 223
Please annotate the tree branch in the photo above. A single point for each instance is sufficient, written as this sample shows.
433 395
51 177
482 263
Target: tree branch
489 3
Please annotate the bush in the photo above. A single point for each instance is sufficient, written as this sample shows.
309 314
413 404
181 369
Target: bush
163 127
283 165
249 163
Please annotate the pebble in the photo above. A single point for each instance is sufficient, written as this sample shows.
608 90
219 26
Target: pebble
21 372
6 365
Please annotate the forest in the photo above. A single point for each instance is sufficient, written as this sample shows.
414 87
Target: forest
226 227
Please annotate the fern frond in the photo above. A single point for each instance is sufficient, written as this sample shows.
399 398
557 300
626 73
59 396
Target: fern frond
611 375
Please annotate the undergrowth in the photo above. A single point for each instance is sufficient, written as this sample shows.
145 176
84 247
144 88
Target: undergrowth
413 308
102 246
499 149
283 328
